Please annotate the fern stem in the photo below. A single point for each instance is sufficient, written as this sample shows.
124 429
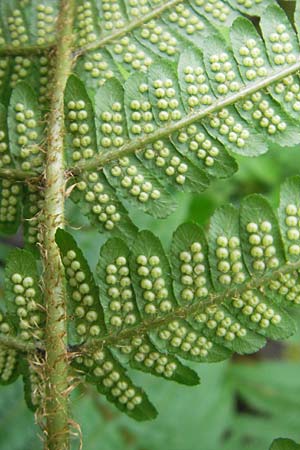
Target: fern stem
10 50
16 344
139 144
215 298
111 37
56 403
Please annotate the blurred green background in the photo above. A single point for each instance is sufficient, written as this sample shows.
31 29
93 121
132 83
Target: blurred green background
242 404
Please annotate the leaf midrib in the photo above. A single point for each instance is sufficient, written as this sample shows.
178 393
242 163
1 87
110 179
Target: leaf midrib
105 38
143 327
102 159
108 38
214 298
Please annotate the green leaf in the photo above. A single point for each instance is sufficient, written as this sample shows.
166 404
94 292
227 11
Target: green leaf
95 196
10 192
193 30
42 16
130 55
5 158
101 367
247 42
192 284
128 176
253 8
220 15
284 444
10 359
25 128
153 46
288 213
6 327
164 93
256 110
86 34
195 142
168 91
17 32
261 240
32 383
111 380
23 295
196 99
80 139
190 270
10 206
281 40
32 217
84 310
151 275
225 252
95 68
5 69
11 11
117 295
98 201
120 311
9 365
228 296
161 158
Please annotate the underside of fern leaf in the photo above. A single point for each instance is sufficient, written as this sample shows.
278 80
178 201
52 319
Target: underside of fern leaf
159 98
172 124
201 303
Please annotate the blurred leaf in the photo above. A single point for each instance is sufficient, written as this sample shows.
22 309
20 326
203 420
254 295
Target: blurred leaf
269 388
17 431
284 444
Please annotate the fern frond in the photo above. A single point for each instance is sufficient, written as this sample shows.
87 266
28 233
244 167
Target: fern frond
32 382
201 303
176 145
9 363
135 32
169 137
10 191
177 126
228 296
21 325
162 96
